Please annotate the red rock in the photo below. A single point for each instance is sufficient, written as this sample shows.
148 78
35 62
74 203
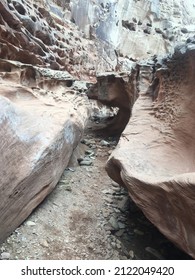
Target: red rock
155 156
37 139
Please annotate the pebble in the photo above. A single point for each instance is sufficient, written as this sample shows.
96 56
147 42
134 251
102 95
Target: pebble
5 256
30 223
108 191
65 182
92 146
113 222
104 143
44 243
116 185
86 162
113 244
90 152
70 169
131 254
121 225
124 204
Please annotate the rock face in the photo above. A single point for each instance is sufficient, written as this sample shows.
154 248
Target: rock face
41 124
116 90
37 33
124 25
155 156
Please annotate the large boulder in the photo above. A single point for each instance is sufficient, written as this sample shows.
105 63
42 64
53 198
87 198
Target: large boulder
40 126
155 156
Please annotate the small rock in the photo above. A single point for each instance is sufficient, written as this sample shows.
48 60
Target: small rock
115 185
92 146
89 152
44 243
5 256
124 204
69 169
121 225
113 222
64 182
104 143
131 254
184 30
108 191
86 162
113 244
30 223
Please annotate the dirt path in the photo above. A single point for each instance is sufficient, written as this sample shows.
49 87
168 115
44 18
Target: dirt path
88 216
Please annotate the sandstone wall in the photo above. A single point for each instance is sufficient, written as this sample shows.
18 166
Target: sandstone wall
155 155
136 28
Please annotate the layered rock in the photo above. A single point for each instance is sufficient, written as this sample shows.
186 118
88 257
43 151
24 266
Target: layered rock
155 155
42 117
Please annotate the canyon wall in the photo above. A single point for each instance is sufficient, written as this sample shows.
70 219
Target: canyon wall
138 28
155 156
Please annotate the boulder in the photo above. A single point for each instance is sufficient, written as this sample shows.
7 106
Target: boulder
155 156
39 131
